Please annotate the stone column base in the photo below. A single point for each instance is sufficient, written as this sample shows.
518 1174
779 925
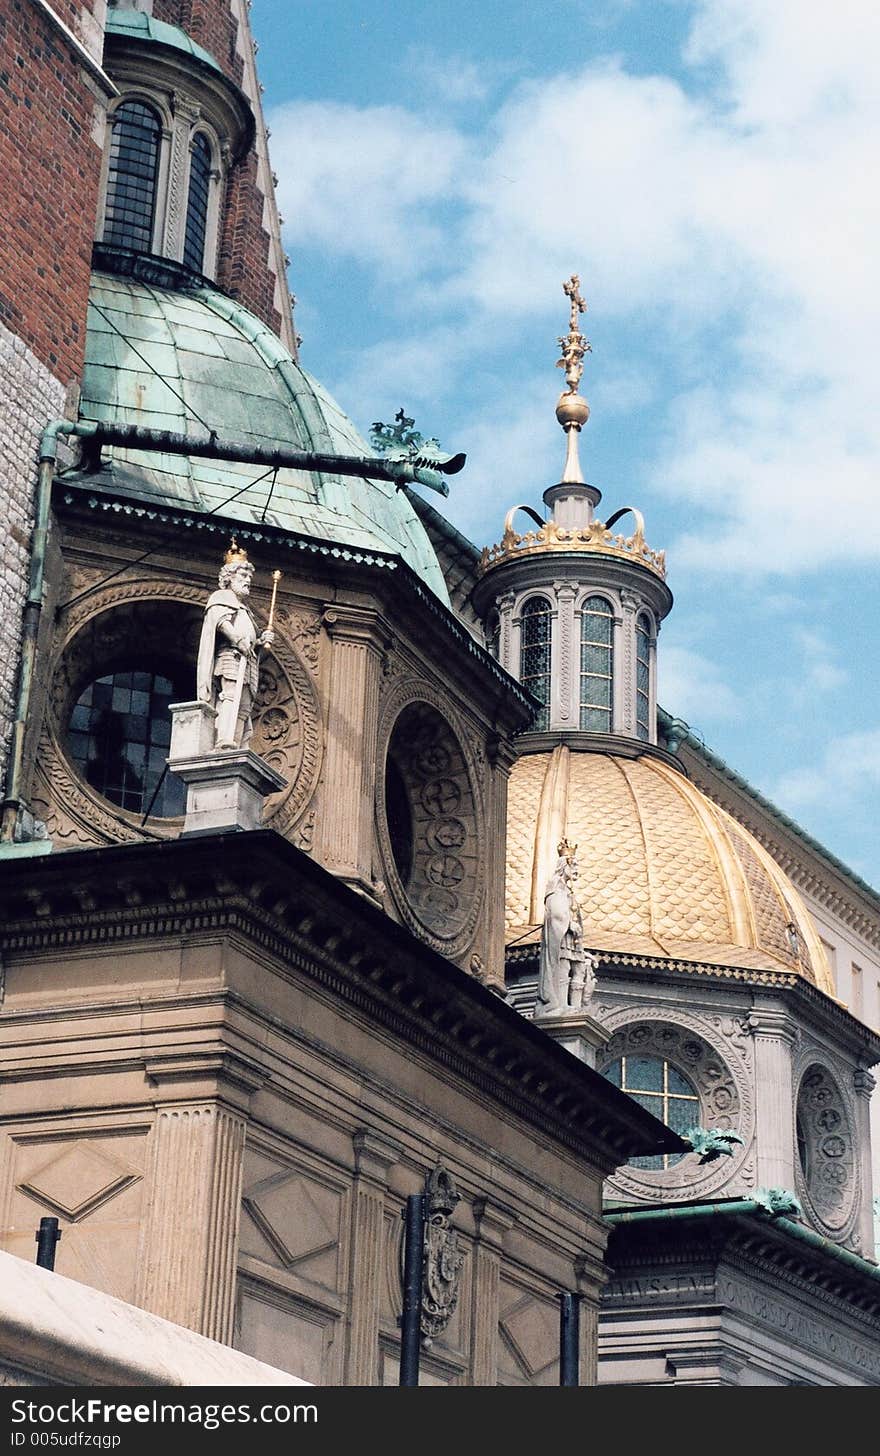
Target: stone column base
580 1034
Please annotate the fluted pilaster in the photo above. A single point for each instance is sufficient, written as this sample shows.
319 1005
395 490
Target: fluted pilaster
492 1222
373 1158
192 1234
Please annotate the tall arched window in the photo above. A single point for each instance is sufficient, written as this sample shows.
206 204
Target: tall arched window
534 657
597 627
643 679
131 179
197 204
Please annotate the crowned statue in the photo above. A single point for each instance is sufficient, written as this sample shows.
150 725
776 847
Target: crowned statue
567 974
228 663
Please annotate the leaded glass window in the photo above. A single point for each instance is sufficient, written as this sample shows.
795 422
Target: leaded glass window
534 660
662 1089
197 204
597 627
119 735
643 678
130 206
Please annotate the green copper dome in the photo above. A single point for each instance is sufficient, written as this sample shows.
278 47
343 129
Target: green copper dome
137 25
195 361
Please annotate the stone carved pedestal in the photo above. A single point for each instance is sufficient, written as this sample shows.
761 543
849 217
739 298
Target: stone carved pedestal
580 1034
225 788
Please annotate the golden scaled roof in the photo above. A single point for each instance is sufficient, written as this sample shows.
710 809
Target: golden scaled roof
663 872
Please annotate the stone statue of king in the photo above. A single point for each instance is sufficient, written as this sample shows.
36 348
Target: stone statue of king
228 668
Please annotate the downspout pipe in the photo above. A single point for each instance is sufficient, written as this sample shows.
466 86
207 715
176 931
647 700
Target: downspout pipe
12 803
420 470
854 1262
136 437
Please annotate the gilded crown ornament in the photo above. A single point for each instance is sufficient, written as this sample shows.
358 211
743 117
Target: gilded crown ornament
236 555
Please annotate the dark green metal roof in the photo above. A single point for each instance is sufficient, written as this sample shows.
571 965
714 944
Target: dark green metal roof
137 25
195 361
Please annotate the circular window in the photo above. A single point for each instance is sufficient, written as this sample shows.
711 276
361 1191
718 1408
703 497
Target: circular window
430 820
825 1147
662 1089
118 737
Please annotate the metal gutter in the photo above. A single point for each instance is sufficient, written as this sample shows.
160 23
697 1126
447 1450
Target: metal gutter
751 1208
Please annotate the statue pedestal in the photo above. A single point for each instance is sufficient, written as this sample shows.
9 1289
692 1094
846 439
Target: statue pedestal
225 788
580 1034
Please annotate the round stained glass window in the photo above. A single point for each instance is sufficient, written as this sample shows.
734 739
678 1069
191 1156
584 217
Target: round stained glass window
662 1089
118 737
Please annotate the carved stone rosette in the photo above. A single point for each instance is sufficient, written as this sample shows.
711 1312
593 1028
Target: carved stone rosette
429 756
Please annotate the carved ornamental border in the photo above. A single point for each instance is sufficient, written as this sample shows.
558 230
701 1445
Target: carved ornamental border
714 1053
831 1195
412 691
287 723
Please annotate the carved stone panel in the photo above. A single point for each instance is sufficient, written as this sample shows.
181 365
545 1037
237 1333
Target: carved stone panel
155 623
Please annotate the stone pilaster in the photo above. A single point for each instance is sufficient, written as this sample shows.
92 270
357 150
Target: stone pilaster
625 665
189 1266
345 819
774 1039
864 1084
565 702
501 757
492 1222
374 1156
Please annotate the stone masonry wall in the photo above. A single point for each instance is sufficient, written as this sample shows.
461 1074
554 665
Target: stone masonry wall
31 397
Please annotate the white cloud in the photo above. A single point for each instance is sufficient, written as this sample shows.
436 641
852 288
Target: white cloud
733 218
849 765
362 182
692 687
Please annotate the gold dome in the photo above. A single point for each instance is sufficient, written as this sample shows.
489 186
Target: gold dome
663 872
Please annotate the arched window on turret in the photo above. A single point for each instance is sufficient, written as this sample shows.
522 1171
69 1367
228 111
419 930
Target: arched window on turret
597 665
643 678
130 208
534 658
197 203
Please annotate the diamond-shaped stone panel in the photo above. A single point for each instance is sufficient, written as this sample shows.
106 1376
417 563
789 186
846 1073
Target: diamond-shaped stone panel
298 1218
532 1331
79 1179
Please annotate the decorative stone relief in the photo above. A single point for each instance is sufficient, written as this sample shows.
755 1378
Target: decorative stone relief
826 1150
694 1046
442 1257
101 634
429 817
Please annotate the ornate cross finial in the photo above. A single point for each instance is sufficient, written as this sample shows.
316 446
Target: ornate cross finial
573 344
572 290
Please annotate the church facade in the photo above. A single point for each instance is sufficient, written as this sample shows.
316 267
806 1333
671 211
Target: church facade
413 885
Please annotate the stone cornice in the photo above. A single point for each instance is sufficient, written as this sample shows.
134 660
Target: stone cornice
829 882
260 887
389 578
754 1241
808 998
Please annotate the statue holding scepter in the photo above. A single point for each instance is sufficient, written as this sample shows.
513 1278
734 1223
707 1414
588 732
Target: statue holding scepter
228 662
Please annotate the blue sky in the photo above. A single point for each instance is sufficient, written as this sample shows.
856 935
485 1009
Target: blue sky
708 168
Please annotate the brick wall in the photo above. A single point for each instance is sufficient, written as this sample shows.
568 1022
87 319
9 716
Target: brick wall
246 245
50 161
